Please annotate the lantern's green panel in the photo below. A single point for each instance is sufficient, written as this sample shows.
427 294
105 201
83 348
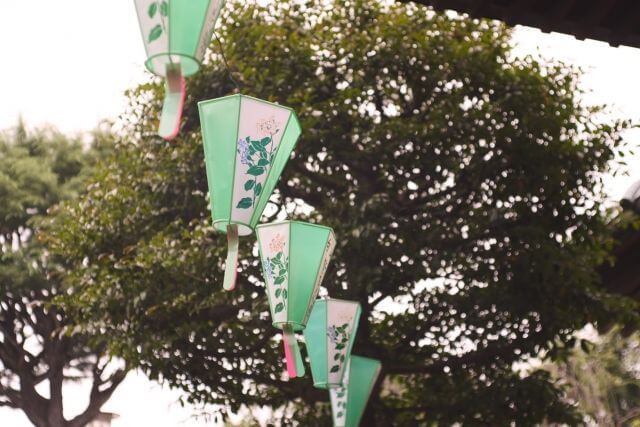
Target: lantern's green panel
307 250
186 18
363 373
219 123
287 143
315 337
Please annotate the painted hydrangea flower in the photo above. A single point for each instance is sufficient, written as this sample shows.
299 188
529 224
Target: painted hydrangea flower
332 333
277 243
243 150
267 127
268 270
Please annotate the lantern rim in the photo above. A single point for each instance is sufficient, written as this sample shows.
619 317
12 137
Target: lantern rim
186 71
296 325
241 95
328 385
328 298
221 226
292 221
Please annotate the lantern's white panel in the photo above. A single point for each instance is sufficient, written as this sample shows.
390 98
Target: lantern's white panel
154 25
339 400
341 316
215 6
274 247
259 134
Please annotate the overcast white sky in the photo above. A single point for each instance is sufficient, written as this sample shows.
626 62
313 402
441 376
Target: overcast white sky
68 63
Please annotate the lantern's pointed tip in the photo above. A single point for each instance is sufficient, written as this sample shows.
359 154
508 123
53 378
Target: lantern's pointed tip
173 104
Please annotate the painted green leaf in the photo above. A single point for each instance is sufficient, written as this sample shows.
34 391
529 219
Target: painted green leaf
335 368
342 358
284 293
258 189
279 280
263 162
339 346
257 146
155 33
339 414
336 356
278 255
279 307
164 8
153 8
278 292
249 184
245 203
265 141
255 170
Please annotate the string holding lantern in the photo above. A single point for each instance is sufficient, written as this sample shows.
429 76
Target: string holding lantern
247 143
329 337
294 256
176 34
349 401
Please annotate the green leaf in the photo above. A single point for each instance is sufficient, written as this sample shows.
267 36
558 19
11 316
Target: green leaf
265 141
335 368
279 280
263 162
284 293
278 292
153 8
249 184
245 203
155 33
339 414
279 307
164 9
339 346
255 170
257 146
336 356
258 190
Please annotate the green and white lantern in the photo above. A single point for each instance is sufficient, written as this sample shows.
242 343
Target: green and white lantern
329 337
247 143
349 401
176 34
294 256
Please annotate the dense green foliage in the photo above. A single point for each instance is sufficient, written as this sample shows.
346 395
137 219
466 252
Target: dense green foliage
463 184
604 380
37 170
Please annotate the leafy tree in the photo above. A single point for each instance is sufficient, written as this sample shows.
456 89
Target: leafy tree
603 379
464 186
36 171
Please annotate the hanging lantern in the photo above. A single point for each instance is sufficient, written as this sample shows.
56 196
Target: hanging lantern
176 34
349 401
329 337
294 258
247 143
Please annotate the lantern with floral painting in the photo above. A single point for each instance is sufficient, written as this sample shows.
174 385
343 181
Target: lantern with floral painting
247 143
329 337
176 34
349 401
294 256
